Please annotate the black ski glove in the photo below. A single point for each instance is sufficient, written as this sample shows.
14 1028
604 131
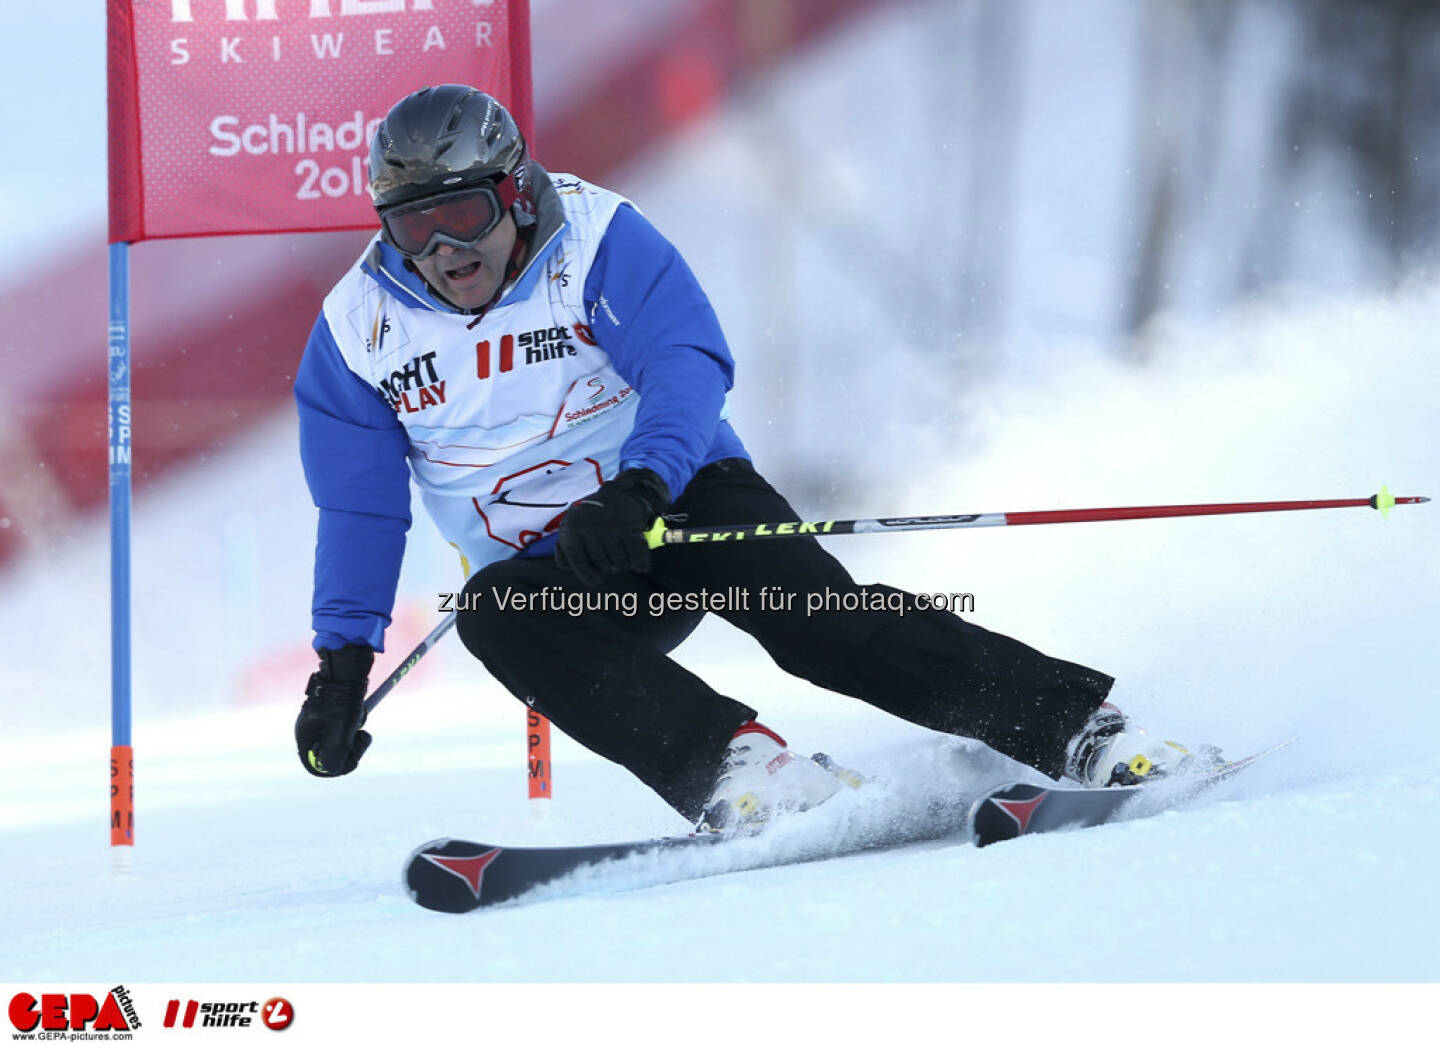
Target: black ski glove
327 732
604 533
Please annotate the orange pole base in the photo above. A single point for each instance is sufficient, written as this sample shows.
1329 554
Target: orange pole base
537 737
122 796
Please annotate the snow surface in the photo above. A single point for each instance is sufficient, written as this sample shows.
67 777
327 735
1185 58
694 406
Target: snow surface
1312 867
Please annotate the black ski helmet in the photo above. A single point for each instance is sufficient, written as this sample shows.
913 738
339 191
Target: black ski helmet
443 139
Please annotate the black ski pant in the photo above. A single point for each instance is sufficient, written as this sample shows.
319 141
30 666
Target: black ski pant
602 674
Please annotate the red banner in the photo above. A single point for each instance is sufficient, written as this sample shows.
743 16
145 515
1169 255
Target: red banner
235 116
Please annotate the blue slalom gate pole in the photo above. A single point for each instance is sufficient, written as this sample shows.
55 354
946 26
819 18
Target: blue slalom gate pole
122 760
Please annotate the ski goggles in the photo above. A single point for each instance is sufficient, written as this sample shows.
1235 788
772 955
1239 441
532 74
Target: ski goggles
460 219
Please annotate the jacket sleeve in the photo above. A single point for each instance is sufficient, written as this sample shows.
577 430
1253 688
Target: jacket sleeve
354 454
654 321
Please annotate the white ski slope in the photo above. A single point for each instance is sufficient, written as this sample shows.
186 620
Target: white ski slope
1316 867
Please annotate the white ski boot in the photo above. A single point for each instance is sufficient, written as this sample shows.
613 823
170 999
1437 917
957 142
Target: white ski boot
760 778
1109 751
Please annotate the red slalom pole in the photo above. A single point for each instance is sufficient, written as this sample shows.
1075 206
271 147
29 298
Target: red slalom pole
659 534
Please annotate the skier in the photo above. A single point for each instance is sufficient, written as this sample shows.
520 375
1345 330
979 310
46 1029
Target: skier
555 377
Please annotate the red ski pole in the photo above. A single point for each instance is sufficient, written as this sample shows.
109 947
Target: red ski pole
659 534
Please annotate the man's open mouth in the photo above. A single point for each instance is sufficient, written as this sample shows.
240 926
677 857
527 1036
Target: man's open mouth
463 272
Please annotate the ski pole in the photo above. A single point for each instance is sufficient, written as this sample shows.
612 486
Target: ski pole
426 644
659 534
537 726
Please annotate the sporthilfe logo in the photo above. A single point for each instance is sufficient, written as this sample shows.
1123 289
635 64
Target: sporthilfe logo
277 1013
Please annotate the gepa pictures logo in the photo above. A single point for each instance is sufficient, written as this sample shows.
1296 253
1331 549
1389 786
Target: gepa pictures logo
52 1013
269 10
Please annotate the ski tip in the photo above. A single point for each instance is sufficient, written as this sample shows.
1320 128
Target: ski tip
1003 813
447 874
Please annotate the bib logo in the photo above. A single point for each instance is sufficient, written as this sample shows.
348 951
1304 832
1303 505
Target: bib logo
530 504
53 1012
538 345
543 345
415 386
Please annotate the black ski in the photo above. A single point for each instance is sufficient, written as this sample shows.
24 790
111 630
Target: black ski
455 876
1009 811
